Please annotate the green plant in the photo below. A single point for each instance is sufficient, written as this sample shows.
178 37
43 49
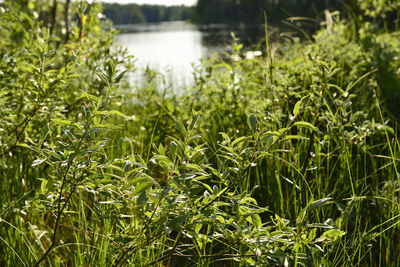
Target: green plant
265 161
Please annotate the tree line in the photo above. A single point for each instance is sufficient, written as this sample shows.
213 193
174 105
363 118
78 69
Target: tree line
248 12
252 11
134 13
219 11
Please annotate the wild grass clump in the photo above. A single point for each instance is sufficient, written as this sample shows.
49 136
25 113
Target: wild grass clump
288 159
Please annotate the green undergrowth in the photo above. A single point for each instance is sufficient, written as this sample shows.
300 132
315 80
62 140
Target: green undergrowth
288 159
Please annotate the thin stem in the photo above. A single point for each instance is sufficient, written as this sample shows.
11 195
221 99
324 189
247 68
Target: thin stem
60 209
53 16
66 11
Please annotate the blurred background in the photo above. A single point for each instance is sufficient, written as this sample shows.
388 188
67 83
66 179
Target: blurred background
170 36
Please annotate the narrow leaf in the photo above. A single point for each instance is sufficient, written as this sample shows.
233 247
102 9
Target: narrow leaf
37 162
142 187
305 124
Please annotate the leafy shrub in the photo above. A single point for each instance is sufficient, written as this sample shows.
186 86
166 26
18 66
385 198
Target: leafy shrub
273 160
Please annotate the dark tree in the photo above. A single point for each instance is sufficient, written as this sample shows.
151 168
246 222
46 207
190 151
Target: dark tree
133 13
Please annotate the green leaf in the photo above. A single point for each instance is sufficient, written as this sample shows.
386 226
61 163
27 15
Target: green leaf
225 136
142 187
111 65
61 121
115 112
306 125
194 120
135 181
161 149
25 145
315 204
311 207
253 122
54 38
107 126
37 162
142 198
352 84
121 142
206 186
119 77
238 140
158 159
333 235
65 122
173 146
297 107
113 167
181 129
297 137
312 234
69 134
43 186
257 222
177 221
224 65
103 77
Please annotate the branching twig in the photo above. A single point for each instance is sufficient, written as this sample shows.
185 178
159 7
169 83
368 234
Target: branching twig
61 208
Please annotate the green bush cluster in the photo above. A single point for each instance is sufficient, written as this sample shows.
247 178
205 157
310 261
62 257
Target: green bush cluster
285 159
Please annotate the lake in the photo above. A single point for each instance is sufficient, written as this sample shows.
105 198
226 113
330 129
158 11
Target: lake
169 48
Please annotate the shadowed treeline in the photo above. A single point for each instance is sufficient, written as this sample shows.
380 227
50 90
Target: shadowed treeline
134 13
218 11
251 11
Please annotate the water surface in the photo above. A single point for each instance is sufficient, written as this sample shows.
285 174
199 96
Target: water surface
170 48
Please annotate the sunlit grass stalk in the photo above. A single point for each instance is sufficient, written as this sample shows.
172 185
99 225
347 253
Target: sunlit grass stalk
268 50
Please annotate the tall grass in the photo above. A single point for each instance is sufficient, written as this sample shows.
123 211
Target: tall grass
290 163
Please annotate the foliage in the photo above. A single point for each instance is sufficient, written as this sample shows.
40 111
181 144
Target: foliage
288 159
378 9
251 11
133 13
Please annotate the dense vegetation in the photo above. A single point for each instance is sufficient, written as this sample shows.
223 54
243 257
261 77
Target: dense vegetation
134 13
251 11
288 159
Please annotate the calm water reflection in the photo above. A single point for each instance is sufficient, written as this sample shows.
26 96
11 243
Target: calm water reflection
169 48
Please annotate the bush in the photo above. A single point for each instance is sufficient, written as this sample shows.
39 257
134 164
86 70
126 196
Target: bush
285 159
